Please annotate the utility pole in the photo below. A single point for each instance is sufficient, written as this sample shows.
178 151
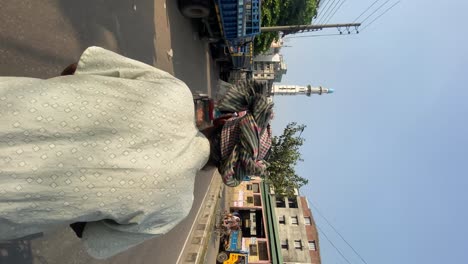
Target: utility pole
297 28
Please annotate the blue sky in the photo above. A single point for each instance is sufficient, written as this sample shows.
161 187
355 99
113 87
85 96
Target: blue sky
386 155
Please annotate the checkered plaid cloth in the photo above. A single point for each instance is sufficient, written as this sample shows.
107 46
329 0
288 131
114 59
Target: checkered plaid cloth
245 139
265 143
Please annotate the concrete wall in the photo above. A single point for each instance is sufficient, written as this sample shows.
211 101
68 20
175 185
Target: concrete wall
243 198
293 233
297 234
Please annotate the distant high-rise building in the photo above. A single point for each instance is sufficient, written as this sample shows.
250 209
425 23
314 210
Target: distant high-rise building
281 89
269 67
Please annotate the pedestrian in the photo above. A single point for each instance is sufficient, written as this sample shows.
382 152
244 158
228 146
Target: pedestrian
110 148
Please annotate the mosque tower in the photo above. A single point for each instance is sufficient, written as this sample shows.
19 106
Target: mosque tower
280 89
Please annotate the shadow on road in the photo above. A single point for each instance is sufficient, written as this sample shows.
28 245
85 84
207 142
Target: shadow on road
16 252
195 68
126 26
40 38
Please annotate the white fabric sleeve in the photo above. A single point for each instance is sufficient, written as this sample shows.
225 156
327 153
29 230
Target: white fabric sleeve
99 61
101 241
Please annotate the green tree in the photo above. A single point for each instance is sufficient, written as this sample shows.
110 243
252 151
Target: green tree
283 158
283 13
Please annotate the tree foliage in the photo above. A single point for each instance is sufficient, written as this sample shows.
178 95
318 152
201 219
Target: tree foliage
283 158
283 13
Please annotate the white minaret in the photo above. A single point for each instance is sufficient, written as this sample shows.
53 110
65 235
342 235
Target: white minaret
280 89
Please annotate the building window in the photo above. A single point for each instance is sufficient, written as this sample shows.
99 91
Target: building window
297 244
307 220
284 244
280 202
262 250
294 220
312 245
250 199
248 187
257 200
253 251
292 202
282 219
256 188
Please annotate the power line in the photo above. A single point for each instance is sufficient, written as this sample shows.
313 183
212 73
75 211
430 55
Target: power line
333 244
328 222
332 6
331 12
365 10
319 13
321 35
326 12
388 9
319 7
324 5
335 11
375 11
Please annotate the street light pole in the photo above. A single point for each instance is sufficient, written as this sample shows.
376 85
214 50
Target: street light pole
297 28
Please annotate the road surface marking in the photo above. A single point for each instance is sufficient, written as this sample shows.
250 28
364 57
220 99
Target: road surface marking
195 220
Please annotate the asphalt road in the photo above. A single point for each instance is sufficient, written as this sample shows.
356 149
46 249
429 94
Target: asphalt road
40 38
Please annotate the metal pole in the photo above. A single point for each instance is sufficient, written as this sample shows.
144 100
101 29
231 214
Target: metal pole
307 27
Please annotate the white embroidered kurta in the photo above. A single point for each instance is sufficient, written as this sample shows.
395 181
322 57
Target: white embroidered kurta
115 141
